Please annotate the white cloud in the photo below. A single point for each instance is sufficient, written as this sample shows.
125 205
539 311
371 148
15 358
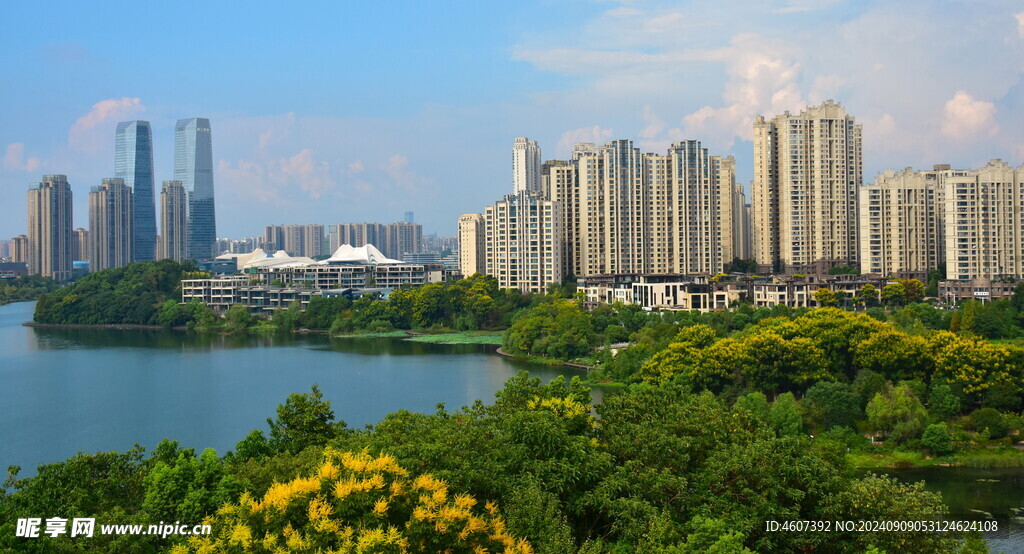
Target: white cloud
595 134
966 117
1020 23
799 6
274 180
312 176
356 167
14 158
91 127
404 178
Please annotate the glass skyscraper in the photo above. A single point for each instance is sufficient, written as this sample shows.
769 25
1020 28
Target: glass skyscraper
133 162
193 166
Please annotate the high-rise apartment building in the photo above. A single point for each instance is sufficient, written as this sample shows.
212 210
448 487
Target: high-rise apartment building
133 162
111 209
19 249
807 170
313 241
523 242
173 221
526 166
5 249
402 238
295 240
80 245
193 166
472 244
49 228
626 212
902 215
984 222
356 234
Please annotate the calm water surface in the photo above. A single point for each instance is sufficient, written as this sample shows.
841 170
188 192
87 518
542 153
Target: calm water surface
69 390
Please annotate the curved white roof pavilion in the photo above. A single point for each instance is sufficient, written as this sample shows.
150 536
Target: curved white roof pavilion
363 255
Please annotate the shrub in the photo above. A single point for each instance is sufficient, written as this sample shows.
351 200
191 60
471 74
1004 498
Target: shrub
991 419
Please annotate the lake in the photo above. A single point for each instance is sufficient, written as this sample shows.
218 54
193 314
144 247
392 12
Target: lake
69 390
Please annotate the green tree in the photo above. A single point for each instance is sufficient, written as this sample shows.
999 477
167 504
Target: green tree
831 404
913 290
238 318
990 419
942 403
868 295
825 298
303 420
896 412
894 294
936 438
784 415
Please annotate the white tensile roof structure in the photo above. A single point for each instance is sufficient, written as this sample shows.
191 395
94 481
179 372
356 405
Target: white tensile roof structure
260 259
364 255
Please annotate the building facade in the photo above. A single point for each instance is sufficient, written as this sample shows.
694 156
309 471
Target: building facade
173 221
472 244
902 215
49 228
984 223
526 166
807 170
80 245
111 209
402 238
19 249
193 166
133 163
523 242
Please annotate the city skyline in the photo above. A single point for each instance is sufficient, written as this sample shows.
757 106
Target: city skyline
931 83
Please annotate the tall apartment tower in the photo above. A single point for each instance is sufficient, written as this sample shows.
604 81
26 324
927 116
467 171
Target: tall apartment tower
523 242
133 162
807 169
472 244
19 249
80 245
741 224
111 209
294 240
173 221
313 240
49 228
402 238
526 166
902 222
193 166
984 225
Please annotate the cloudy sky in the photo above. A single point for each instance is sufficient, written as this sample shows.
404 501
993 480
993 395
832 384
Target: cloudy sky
327 112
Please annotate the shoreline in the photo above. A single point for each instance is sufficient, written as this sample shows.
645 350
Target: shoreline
118 326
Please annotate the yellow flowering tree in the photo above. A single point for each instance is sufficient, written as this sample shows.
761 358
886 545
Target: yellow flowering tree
357 502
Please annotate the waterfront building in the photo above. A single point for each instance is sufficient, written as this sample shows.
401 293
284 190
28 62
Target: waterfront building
472 244
133 162
110 225
80 245
193 166
902 215
49 228
19 249
173 221
984 223
523 241
526 166
807 169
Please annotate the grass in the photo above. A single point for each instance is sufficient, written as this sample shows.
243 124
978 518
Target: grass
985 459
371 335
891 460
459 338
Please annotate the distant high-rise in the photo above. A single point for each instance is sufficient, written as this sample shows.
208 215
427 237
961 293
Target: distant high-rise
526 166
356 234
5 249
409 216
19 248
49 228
110 225
173 221
193 166
133 162
80 245
807 169
472 244
402 238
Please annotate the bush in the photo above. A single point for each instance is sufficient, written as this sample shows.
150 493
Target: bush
936 438
991 419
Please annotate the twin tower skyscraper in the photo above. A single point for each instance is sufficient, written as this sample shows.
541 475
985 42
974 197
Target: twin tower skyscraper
193 171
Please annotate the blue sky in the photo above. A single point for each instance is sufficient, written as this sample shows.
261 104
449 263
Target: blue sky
327 112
